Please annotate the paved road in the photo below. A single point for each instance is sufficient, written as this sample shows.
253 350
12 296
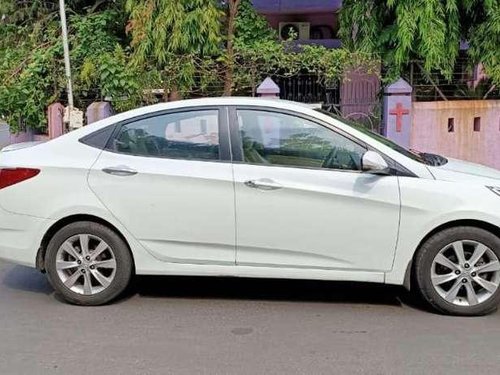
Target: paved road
170 325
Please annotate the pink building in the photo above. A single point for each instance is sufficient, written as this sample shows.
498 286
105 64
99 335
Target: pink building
461 129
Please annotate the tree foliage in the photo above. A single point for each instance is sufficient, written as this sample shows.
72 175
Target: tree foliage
160 28
251 27
428 30
31 58
122 49
169 35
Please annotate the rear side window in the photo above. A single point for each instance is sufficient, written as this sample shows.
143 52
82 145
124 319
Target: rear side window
99 138
181 135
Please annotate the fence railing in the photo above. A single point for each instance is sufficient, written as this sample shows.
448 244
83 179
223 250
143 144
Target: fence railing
466 82
307 88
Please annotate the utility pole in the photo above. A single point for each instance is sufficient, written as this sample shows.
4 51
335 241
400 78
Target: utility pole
62 10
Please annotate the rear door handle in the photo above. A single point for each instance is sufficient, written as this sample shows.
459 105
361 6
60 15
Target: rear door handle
263 184
120 170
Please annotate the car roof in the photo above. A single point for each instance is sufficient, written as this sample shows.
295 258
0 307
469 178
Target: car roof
230 100
192 103
221 101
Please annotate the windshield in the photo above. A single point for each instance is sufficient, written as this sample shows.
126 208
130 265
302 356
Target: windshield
425 158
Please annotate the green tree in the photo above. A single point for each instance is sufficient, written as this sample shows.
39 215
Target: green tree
170 35
251 28
31 57
427 30
232 13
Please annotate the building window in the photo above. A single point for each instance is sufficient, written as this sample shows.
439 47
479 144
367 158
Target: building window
451 125
477 124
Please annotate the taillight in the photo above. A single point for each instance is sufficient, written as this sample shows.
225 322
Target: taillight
12 176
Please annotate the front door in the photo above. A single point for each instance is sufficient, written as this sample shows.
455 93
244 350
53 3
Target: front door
302 200
168 180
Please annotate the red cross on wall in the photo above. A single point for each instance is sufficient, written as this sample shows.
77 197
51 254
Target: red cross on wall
399 112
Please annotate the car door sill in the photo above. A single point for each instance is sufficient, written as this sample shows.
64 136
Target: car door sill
262 272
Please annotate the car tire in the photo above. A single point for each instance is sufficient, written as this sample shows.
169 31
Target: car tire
88 281
429 271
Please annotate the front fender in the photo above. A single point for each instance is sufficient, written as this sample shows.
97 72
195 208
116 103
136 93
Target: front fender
412 237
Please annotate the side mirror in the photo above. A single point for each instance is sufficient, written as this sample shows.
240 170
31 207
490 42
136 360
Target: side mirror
373 162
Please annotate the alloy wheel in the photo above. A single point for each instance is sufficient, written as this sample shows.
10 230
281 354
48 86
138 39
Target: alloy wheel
86 264
466 273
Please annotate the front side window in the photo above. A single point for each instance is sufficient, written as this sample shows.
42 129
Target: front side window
271 138
182 135
421 157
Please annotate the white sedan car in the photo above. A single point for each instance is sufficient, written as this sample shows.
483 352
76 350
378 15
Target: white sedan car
250 188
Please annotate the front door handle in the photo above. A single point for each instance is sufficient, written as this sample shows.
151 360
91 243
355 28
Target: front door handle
120 170
263 184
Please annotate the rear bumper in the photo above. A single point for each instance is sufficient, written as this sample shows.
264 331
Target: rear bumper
20 237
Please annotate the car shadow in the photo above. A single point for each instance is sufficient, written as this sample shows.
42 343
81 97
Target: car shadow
30 280
273 290
26 279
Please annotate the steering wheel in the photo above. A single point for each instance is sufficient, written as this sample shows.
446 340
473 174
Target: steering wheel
328 161
333 160
153 145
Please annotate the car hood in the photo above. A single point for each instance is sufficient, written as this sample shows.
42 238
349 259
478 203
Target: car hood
460 170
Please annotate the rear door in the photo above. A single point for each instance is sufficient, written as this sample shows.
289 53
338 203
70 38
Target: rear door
167 177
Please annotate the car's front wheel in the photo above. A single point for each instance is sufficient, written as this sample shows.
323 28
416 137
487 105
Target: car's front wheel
88 263
458 271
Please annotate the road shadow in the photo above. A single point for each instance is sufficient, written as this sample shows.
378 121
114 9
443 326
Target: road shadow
26 279
272 290
30 280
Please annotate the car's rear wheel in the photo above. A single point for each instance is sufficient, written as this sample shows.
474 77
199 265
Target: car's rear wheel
458 271
88 263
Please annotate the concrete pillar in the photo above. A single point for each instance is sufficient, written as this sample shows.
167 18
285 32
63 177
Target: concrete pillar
268 89
4 134
397 116
98 111
55 114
